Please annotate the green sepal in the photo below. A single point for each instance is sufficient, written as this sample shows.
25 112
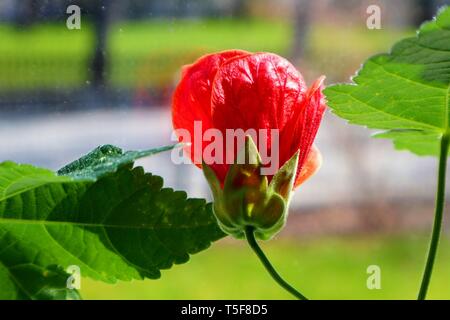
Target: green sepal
280 189
272 212
218 208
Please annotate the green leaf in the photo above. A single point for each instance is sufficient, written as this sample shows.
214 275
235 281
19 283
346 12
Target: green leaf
406 93
113 221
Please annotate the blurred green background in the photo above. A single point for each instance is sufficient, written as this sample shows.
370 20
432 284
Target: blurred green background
150 53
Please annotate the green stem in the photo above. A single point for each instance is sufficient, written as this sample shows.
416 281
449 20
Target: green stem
249 234
440 201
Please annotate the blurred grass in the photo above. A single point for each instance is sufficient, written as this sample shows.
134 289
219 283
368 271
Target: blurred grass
141 53
324 268
150 53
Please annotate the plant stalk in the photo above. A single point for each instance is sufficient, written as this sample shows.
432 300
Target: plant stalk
249 234
438 215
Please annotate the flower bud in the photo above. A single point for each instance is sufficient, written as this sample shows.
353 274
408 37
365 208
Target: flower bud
243 91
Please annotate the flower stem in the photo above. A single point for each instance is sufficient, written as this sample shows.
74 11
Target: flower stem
439 209
249 234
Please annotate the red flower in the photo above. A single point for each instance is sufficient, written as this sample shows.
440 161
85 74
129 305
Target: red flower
241 90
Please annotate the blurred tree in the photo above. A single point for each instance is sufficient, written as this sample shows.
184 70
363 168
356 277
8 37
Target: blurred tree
25 12
239 8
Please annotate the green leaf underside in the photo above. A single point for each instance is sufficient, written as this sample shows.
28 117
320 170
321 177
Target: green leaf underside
406 92
115 224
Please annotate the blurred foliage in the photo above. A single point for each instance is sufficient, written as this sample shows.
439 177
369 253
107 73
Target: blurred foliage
327 268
